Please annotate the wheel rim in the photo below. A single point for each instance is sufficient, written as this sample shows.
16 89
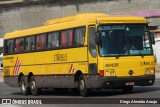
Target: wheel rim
33 85
82 85
23 87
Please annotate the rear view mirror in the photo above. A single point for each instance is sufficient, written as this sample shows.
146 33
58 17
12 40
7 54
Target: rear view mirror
98 39
152 38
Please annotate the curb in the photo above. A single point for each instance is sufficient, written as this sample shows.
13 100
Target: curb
1 79
157 74
1 74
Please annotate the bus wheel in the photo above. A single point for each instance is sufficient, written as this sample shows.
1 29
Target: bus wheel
127 89
82 86
34 90
24 88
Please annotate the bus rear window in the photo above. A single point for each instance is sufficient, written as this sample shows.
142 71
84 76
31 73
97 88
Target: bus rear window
9 46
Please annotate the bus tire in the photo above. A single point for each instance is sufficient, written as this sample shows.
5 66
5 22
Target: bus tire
74 90
24 88
82 86
34 89
127 89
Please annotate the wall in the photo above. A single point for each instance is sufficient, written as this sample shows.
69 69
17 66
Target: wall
17 16
24 15
156 48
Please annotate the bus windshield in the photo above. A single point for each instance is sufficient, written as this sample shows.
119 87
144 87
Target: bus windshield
120 40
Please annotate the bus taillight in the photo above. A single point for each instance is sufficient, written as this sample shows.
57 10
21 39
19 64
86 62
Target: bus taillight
101 73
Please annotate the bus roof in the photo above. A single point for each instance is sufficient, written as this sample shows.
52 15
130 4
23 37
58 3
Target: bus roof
75 17
98 16
79 20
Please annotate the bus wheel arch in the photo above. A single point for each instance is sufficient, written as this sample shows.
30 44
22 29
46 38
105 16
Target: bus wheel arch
82 86
29 77
24 86
76 78
19 78
33 86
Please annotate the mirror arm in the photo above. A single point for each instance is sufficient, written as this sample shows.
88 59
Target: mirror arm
152 38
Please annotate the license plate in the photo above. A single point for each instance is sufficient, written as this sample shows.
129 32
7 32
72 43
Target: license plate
130 83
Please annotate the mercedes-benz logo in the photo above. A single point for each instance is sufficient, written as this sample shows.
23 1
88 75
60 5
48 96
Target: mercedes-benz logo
130 72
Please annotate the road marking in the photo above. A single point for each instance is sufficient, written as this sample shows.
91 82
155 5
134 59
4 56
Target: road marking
7 93
9 105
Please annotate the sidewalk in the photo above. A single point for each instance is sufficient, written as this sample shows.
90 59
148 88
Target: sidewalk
1 73
157 68
1 76
157 74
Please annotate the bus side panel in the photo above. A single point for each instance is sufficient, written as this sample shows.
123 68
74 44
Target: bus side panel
11 81
53 79
74 68
64 77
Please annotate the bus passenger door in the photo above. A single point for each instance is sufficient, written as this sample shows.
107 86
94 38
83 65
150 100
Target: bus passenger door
92 58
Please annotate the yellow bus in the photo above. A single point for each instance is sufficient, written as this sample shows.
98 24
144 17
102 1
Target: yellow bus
84 51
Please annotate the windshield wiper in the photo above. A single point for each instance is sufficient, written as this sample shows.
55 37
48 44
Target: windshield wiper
139 52
134 48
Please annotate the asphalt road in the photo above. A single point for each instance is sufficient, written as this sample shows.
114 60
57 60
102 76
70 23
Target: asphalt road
138 92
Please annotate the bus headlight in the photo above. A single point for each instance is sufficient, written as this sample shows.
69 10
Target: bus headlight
152 71
149 71
112 73
107 73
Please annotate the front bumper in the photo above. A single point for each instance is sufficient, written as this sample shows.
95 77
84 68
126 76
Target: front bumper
118 82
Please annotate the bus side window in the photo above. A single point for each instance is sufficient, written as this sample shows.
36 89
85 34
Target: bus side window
22 45
37 42
92 44
67 38
10 46
79 36
41 42
63 39
70 37
19 45
30 43
53 40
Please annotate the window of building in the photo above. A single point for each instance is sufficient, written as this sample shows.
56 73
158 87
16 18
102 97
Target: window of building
30 43
53 40
79 36
67 38
41 42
